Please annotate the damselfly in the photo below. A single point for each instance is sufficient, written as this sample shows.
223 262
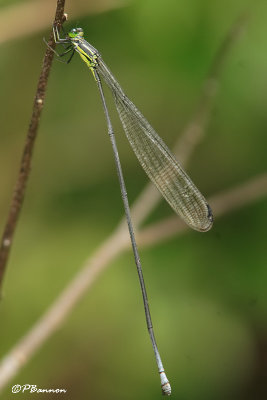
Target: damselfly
152 153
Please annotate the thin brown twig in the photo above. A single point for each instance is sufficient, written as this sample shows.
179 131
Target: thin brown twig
26 160
21 353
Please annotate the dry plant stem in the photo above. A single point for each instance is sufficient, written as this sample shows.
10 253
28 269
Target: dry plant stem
194 132
25 164
111 248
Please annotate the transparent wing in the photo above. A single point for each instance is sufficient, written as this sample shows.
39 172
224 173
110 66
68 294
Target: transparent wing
158 162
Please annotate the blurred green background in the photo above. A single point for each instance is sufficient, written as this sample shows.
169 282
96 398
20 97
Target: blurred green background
207 291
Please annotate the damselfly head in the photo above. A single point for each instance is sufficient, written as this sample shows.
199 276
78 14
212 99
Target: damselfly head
76 32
